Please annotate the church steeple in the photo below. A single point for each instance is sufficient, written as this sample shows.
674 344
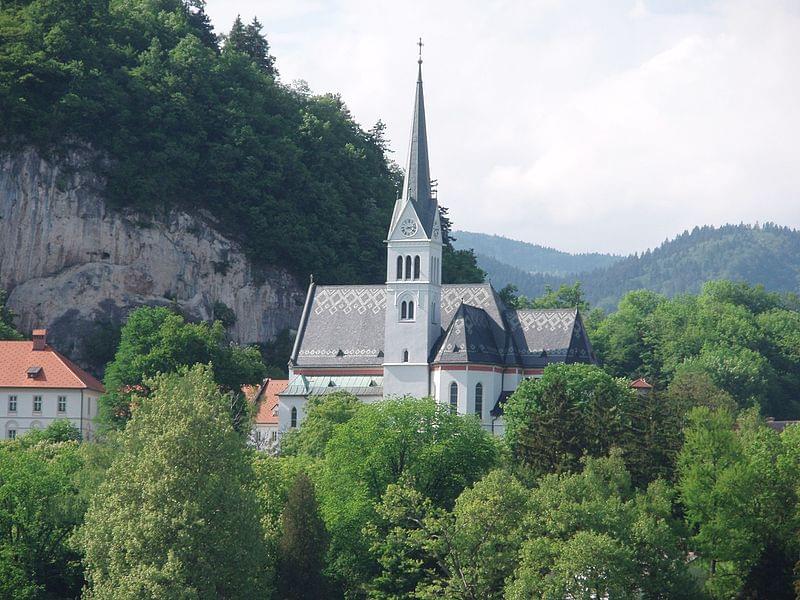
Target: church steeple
417 181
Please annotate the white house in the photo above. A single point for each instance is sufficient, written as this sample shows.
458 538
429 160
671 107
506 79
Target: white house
264 399
414 335
39 385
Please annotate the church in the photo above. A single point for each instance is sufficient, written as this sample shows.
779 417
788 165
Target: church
417 336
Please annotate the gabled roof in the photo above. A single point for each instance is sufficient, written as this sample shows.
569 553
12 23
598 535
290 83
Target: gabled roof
56 371
641 384
344 326
265 396
469 338
417 181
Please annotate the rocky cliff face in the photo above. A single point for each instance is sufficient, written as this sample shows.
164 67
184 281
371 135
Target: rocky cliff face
76 266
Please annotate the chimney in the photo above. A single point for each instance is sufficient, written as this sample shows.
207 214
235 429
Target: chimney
39 339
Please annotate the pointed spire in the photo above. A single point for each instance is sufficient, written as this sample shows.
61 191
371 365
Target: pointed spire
417 182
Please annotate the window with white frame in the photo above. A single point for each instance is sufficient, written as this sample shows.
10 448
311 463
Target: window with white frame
62 404
479 399
453 397
12 434
12 404
37 404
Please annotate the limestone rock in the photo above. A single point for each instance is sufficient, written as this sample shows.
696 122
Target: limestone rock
74 265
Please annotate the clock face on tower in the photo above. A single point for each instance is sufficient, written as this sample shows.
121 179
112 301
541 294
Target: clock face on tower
408 227
436 232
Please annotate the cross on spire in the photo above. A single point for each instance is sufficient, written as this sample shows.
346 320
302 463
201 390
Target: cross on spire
420 44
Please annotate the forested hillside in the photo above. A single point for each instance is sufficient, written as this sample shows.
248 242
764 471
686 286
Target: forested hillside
758 254
530 258
178 116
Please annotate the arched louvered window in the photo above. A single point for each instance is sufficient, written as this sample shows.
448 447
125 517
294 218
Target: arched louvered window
408 267
416 267
453 397
479 399
399 267
410 309
404 310
405 355
293 418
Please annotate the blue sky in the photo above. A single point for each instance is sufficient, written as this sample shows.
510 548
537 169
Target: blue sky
585 126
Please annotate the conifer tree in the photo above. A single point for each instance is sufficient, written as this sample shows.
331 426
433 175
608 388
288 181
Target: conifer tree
303 545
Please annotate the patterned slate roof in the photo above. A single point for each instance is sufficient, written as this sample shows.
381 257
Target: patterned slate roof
344 326
470 338
542 336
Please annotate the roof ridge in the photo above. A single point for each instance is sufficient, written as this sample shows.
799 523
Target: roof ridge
87 379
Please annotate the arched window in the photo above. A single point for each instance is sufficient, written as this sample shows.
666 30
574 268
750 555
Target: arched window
404 310
293 419
405 355
410 309
416 267
399 267
479 399
408 267
453 397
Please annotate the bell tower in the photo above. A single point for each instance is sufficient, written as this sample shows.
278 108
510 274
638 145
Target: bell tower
413 269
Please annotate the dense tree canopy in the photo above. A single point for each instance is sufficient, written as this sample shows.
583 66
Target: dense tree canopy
177 516
156 340
418 440
743 337
173 120
40 508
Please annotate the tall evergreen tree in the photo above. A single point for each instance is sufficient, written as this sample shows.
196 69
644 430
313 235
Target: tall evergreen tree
258 47
302 545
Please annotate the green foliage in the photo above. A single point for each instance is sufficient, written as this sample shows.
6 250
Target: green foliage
156 340
765 254
276 353
40 508
591 535
249 40
59 430
566 296
323 414
738 486
425 552
460 266
172 121
741 337
302 545
419 441
176 516
7 331
528 258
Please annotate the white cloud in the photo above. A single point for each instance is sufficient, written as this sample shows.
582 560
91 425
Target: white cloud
570 124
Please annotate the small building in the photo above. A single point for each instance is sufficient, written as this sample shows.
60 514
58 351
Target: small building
39 385
264 398
641 386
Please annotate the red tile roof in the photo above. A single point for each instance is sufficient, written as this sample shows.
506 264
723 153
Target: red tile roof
641 384
57 371
266 397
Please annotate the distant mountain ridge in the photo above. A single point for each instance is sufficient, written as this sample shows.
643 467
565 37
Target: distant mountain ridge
531 258
766 254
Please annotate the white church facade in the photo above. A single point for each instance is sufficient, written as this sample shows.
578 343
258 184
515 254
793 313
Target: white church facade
415 335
